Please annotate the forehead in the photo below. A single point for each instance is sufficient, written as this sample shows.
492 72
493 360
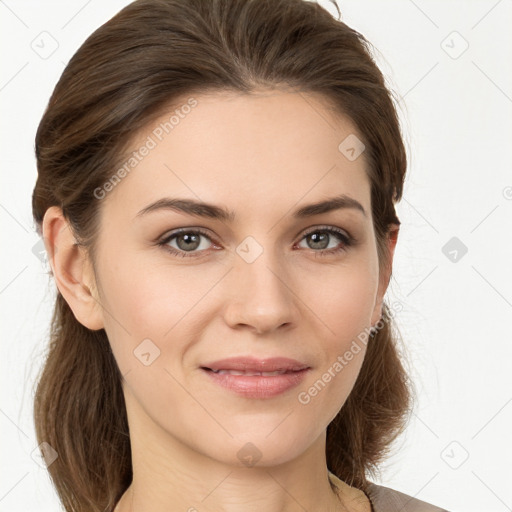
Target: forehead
251 152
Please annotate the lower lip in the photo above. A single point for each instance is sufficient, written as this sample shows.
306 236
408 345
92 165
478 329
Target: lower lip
258 386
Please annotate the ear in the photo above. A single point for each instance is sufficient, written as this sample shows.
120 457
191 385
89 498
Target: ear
385 275
71 269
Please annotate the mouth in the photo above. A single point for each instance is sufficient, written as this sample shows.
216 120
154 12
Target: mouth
249 373
252 365
257 378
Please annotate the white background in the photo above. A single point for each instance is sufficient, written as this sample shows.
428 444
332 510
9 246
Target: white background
456 113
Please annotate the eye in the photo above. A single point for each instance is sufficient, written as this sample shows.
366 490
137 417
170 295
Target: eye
187 240
320 237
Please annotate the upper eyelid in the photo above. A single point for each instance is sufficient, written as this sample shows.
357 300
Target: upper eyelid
326 228
206 232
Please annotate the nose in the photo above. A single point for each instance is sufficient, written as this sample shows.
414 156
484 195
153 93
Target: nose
261 297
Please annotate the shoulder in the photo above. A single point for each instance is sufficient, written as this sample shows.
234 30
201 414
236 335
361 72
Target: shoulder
385 499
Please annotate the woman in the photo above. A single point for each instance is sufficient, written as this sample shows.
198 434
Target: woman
216 188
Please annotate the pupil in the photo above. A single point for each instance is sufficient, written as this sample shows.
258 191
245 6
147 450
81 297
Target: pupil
189 239
317 239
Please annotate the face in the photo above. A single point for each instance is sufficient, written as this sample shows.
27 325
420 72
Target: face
264 283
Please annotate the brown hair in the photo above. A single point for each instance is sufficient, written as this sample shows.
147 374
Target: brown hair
149 55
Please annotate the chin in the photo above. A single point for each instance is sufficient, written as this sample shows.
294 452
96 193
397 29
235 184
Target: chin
261 449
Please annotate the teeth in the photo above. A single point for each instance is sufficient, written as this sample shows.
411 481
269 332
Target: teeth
249 373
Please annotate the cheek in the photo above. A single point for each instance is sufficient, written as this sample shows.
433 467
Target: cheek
151 309
343 305
342 300
160 302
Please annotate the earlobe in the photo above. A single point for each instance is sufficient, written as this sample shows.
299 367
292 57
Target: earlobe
71 269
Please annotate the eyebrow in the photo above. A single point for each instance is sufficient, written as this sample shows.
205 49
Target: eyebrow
200 209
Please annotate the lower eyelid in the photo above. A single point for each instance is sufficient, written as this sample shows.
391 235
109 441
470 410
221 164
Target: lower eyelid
166 240
345 238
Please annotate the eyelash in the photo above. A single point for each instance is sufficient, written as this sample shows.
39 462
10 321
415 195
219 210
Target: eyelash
347 241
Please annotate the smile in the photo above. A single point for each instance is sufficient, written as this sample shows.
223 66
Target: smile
249 372
254 384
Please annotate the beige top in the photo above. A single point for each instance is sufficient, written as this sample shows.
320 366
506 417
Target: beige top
384 499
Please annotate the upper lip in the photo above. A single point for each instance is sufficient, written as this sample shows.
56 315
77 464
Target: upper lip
254 364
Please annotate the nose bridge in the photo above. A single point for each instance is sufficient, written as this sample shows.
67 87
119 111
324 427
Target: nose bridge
258 268
261 296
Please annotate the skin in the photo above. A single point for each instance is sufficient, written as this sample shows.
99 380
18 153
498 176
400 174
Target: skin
261 156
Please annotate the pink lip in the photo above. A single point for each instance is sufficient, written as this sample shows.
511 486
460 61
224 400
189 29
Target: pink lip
257 386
